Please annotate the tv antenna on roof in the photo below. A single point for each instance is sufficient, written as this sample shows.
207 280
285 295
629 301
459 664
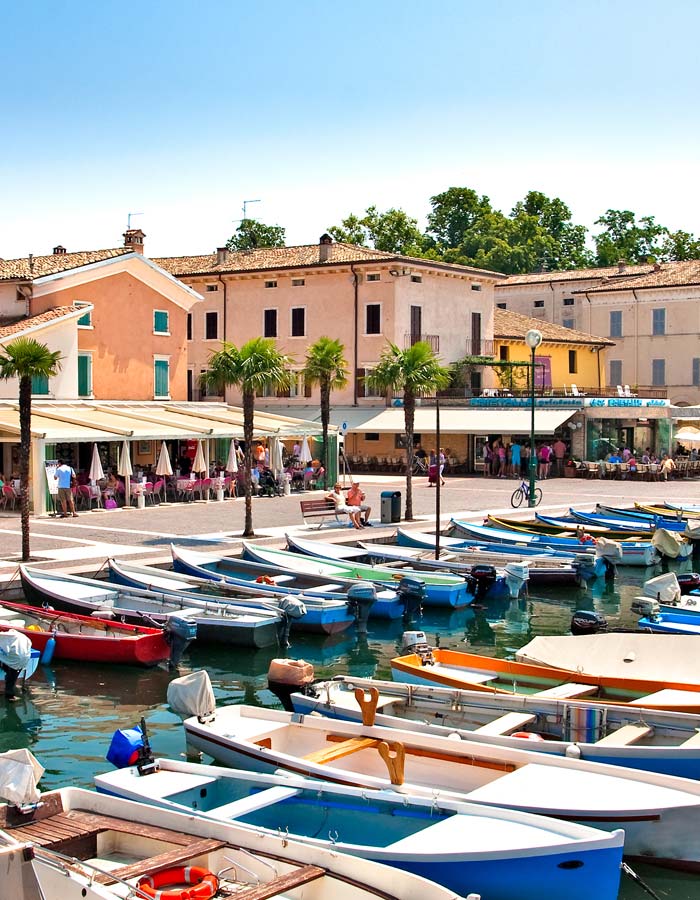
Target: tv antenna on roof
128 218
245 204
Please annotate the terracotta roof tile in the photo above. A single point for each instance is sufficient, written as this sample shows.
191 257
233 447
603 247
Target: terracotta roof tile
16 325
508 324
305 255
12 269
577 275
671 274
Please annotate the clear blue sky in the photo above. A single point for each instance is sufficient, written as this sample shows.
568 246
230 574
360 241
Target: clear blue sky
181 110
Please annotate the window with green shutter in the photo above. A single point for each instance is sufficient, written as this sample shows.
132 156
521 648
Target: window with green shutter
85 321
40 384
161 372
161 324
84 375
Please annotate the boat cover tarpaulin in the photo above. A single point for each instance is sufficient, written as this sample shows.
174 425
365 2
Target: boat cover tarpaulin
664 588
20 772
652 657
192 695
15 649
667 542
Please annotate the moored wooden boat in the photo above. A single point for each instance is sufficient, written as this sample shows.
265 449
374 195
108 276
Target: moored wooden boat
440 589
660 814
119 843
652 740
556 525
271 579
677 621
86 638
463 846
212 622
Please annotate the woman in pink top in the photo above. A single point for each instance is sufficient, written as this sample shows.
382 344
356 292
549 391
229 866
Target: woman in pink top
544 457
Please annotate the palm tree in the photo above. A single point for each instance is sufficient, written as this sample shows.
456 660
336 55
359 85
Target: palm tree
25 359
256 366
415 371
327 367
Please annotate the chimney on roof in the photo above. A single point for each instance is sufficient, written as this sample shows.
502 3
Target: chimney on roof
133 240
59 250
324 247
621 266
657 267
221 256
31 262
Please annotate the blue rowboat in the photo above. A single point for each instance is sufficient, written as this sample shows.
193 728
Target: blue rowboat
620 523
672 622
326 603
499 853
441 590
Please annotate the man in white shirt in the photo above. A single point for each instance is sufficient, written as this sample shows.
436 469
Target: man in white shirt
64 476
338 497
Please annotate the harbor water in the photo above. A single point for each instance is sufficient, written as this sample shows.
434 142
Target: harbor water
68 712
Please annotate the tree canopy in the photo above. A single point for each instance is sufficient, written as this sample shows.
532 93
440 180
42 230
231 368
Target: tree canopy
254 235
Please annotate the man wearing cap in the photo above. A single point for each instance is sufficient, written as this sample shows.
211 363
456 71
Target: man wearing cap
356 497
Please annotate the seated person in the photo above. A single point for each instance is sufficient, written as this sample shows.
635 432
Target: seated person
356 497
338 498
267 483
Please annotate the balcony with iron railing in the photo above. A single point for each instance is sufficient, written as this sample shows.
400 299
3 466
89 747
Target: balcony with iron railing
433 340
477 346
462 396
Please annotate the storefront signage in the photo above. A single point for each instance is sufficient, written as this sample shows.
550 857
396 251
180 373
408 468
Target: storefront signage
634 402
524 402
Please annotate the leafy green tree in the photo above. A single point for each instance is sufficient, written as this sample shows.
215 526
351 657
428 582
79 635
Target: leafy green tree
393 231
25 359
327 367
254 235
459 218
255 367
679 245
543 227
623 237
414 371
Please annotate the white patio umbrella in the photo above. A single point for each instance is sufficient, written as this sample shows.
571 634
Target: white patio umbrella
276 455
199 464
124 468
96 472
689 436
232 461
164 466
305 455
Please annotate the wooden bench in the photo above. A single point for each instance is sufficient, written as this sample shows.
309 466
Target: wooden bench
693 741
568 691
623 737
506 724
344 748
282 884
319 509
168 860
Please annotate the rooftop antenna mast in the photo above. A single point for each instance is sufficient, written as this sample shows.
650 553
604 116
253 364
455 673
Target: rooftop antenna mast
128 218
245 203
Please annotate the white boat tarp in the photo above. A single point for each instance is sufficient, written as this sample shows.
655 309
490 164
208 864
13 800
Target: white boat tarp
652 657
668 543
15 649
608 549
664 588
20 772
192 695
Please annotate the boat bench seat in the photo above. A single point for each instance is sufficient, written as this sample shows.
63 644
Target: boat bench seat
322 588
568 691
346 700
9 614
506 724
282 579
693 741
187 853
344 748
260 799
628 734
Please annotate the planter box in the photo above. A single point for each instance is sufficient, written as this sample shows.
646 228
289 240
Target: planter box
569 472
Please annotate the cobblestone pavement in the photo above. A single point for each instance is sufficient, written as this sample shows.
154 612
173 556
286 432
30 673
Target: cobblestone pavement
145 534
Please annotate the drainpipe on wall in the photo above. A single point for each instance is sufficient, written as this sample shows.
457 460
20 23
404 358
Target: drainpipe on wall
636 337
355 332
551 287
223 325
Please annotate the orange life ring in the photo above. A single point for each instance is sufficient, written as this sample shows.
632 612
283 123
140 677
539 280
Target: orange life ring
204 884
528 736
264 579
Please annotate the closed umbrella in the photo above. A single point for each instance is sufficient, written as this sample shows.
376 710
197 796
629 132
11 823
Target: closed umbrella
305 455
232 461
276 455
124 468
199 465
96 472
164 467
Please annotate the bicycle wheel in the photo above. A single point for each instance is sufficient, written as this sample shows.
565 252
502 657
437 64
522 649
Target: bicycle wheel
538 496
517 497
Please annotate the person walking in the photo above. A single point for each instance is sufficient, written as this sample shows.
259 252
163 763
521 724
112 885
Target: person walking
559 448
441 465
65 476
515 459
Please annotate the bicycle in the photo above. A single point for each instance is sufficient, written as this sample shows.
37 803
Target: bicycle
420 467
523 493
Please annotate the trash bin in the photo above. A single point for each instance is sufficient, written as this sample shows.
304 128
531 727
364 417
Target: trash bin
390 507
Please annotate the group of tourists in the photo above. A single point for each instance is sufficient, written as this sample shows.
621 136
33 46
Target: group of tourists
512 460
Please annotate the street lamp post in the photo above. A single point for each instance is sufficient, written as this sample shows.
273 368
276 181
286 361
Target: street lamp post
533 339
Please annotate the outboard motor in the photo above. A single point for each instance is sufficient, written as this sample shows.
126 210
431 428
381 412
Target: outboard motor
646 606
517 575
485 577
361 599
586 621
290 608
179 632
131 747
417 643
288 676
411 592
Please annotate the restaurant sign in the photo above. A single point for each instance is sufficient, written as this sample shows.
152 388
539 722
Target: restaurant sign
627 402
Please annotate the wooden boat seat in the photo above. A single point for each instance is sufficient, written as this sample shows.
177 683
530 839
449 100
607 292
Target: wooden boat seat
346 700
344 748
282 884
245 805
568 691
693 741
282 579
628 734
669 698
162 861
465 675
323 588
506 724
